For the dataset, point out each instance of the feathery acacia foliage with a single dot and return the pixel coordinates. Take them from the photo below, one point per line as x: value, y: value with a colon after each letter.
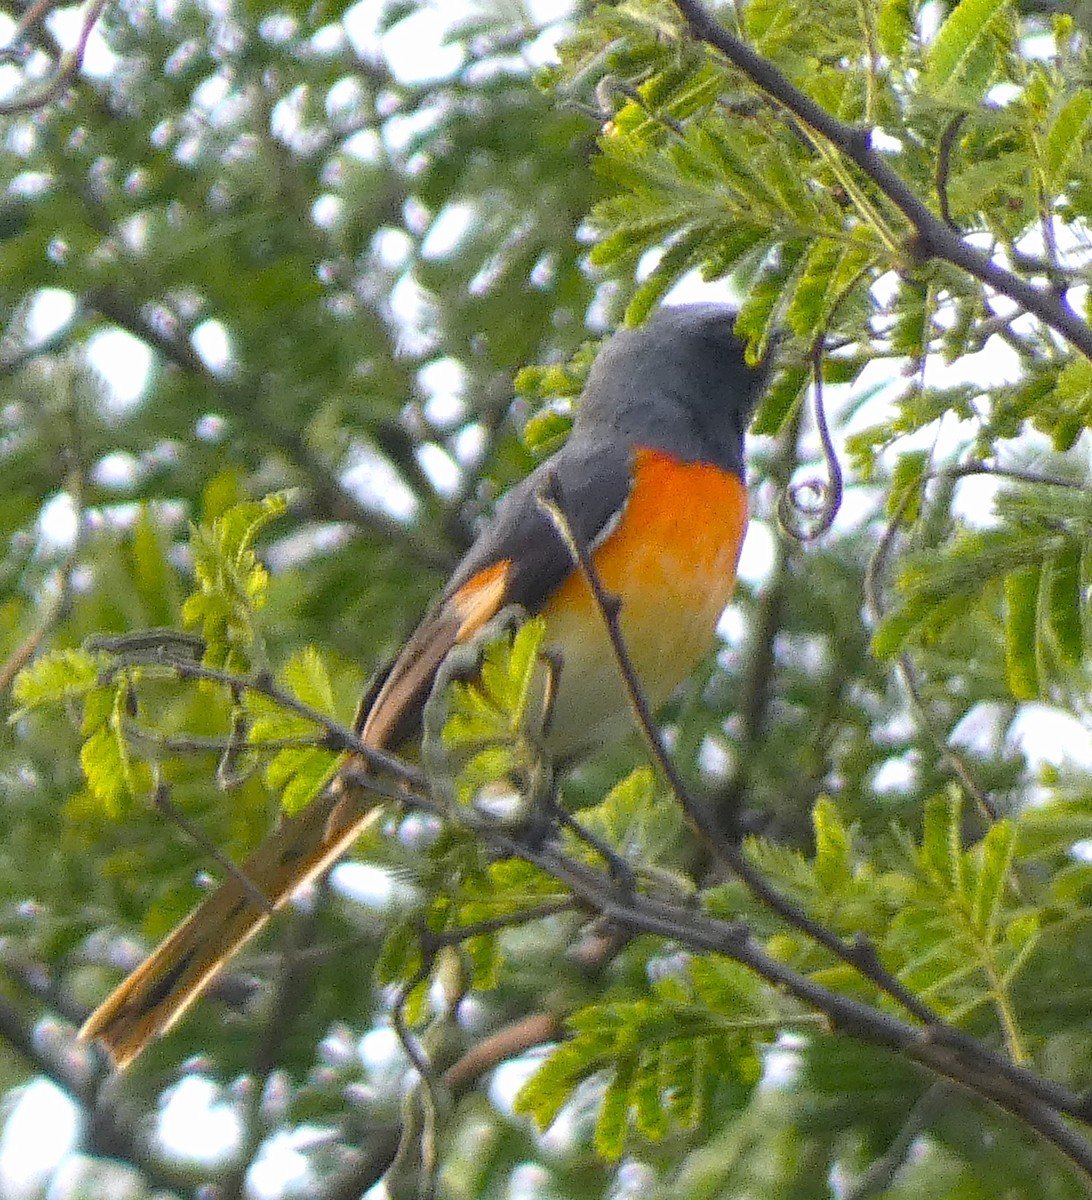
x: 870, y: 975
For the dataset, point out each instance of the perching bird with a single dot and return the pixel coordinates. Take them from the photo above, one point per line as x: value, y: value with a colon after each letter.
x: 653, y: 480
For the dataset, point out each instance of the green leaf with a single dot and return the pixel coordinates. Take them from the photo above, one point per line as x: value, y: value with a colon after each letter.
x: 1066, y: 135
x: 232, y: 583
x: 1065, y: 603
x: 57, y: 677
x: 1021, y: 632
x: 306, y: 677
x: 544, y: 1095
x: 104, y: 768
x: 894, y: 26
x: 833, y: 852
x: 112, y: 775
x: 780, y: 400
x: 942, y: 840
x: 297, y: 773
x: 829, y: 269
x: 994, y: 859
x: 1054, y: 827
x: 636, y: 820
x: 907, y: 480
x: 545, y: 432
x: 957, y: 39
x: 610, y: 1126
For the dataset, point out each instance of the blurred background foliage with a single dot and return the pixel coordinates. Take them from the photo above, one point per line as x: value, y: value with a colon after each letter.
x: 308, y: 247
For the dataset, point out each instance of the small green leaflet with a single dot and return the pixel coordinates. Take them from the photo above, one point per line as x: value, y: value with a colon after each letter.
x: 957, y: 39
x: 298, y: 773
x: 57, y: 677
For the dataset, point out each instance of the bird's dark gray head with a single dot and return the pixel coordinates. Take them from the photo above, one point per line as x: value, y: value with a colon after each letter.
x: 680, y: 383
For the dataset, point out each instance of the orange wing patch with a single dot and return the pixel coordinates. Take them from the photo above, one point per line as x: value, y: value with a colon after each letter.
x: 481, y: 598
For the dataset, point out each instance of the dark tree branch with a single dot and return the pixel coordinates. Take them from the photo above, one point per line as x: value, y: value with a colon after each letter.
x: 291, y: 991
x: 940, y: 1047
x: 884, y: 1170
x: 874, y: 602
x: 932, y: 237
x: 335, y: 735
x: 947, y: 1052
x: 369, y: 1166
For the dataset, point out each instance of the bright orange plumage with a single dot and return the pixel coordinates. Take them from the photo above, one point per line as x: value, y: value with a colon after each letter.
x: 652, y: 481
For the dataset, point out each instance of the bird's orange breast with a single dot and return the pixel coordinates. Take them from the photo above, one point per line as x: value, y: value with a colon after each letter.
x: 671, y: 560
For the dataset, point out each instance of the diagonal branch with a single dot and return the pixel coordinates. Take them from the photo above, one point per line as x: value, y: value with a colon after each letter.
x: 1040, y: 1103
x: 942, y: 1048
x: 932, y: 237
x: 109, y: 1129
x: 860, y: 955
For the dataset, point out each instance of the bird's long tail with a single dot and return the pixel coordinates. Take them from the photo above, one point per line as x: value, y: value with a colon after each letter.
x: 163, y: 987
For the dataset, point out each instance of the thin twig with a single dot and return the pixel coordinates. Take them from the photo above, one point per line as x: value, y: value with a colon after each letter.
x: 368, y: 1167
x: 161, y: 798
x: 29, y: 21
x: 820, y: 517
x: 241, y: 397
x: 944, y: 166
x: 907, y: 671
x: 69, y: 67
x: 293, y: 987
x: 881, y: 1174
x: 337, y: 736
x: 109, y: 1130
x: 53, y: 609
x: 1039, y: 1102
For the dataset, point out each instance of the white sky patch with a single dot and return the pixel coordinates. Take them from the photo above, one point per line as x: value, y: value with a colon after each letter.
x: 99, y: 61
x: 449, y: 228
x: 48, y: 313
x: 691, y: 288
x: 894, y: 775
x: 123, y: 362
x: 468, y: 444
x: 376, y: 483
x: 382, y: 1053
x: 511, y: 1076
x: 392, y: 247
x: 368, y: 885
x: 326, y: 210
x: 414, y: 48
x: 443, y: 380
x: 210, y: 92
x: 58, y: 523
x: 280, y: 1169
x: 981, y: 730
x: 39, y: 1131
x: 884, y: 143
x: 442, y: 470
x: 781, y: 1064
x: 118, y: 470
x: 714, y: 759
x: 759, y: 553
x: 210, y: 340
x: 195, y: 1125
x: 732, y: 627
x: 1048, y: 735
